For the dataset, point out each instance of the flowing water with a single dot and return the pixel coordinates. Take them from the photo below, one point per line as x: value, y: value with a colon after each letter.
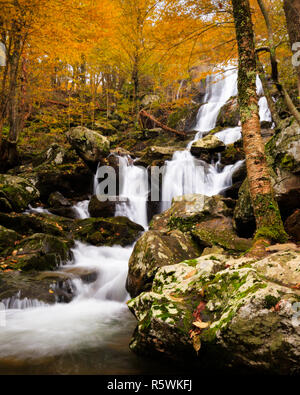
x: 90, y: 335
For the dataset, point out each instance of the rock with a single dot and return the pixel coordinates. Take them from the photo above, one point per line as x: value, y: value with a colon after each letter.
x: 233, y: 153
x: 229, y: 115
x: 67, y: 212
x: 156, y: 156
x: 102, y: 209
x: 189, y: 210
x: 244, y: 220
x: 154, y: 250
x: 287, y: 191
x: 16, y: 193
x: 32, y: 289
x: 57, y: 200
x: 29, y: 224
x: 39, y: 252
x: 8, y: 238
x: 207, y: 145
x: 292, y: 225
x: 184, y: 118
x: 248, y: 314
x: 220, y: 232
x: 120, y: 151
x: 89, y: 145
x: 107, y: 231
x: 284, y: 149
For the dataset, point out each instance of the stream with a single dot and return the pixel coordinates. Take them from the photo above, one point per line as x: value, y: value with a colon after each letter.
x: 90, y: 335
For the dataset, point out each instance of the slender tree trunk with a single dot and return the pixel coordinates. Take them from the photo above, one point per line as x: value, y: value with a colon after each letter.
x: 292, y: 12
x: 275, y: 74
x: 267, y: 215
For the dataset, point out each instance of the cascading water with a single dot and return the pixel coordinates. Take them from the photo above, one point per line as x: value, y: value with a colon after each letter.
x: 184, y: 174
x: 134, y: 190
x: 97, y: 322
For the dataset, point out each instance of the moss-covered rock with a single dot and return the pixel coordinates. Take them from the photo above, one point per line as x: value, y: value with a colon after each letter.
x: 156, y: 156
x: 104, y: 209
x: 154, y: 250
x: 229, y: 115
x: 234, y: 317
x: 207, y: 145
x: 16, y: 193
x: 284, y: 148
x: 8, y: 238
x: 107, y: 231
x: 38, y: 252
x: 91, y: 146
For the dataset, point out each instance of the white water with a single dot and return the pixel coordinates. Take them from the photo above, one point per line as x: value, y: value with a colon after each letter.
x: 90, y: 320
x: 82, y: 209
x: 98, y: 311
x: 134, y: 190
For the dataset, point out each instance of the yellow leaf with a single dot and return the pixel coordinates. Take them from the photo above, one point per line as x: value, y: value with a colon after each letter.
x: 201, y: 325
x: 50, y: 291
x: 190, y: 274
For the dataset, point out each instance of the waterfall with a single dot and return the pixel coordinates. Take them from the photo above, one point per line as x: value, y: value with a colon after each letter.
x: 184, y: 174
x: 134, y: 190
x: 98, y: 314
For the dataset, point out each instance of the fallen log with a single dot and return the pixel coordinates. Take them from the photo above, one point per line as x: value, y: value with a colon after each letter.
x: 144, y: 114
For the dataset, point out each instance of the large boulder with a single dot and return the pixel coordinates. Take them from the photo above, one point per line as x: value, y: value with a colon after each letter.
x: 154, y: 250
x: 107, y: 231
x: 8, y: 239
x: 207, y: 145
x: 104, y: 209
x: 91, y: 146
x: 156, y: 156
x: 229, y: 115
x: 38, y: 252
x: 16, y: 193
x: 216, y: 312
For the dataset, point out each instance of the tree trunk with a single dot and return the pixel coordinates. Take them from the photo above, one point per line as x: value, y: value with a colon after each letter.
x: 292, y: 13
x: 268, y: 220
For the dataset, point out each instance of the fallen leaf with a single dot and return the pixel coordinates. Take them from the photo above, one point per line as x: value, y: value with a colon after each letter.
x: 201, y: 324
x: 190, y: 274
x: 14, y: 253
x: 50, y: 291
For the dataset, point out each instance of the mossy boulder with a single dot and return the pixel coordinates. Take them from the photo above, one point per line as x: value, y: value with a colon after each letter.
x: 154, y: 250
x: 229, y: 115
x: 29, y: 289
x: 16, y: 193
x: 156, y: 156
x: 207, y: 145
x: 107, y: 231
x: 220, y: 312
x: 91, y: 146
x: 39, y: 252
x: 220, y: 232
x: 104, y: 209
x: 8, y: 239
x: 189, y: 210
x: 284, y: 148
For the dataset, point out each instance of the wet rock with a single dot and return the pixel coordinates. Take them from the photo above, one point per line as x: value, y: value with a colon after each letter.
x: 16, y: 193
x: 89, y: 145
x: 156, y: 156
x: 233, y: 153
x: 29, y: 289
x: 246, y: 312
x: 67, y: 212
x: 284, y: 148
x: 188, y: 210
x: 8, y: 238
x: 154, y: 250
x: 220, y: 232
x: 229, y: 115
x: 207, y: 145
x: 292, y: 225
x: 57, y: 200
x: 107, y: 231
x: 104, y: 209
x: 39, y: 252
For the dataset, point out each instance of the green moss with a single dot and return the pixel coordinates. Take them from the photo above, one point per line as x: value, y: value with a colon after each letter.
x: 270, y: 301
